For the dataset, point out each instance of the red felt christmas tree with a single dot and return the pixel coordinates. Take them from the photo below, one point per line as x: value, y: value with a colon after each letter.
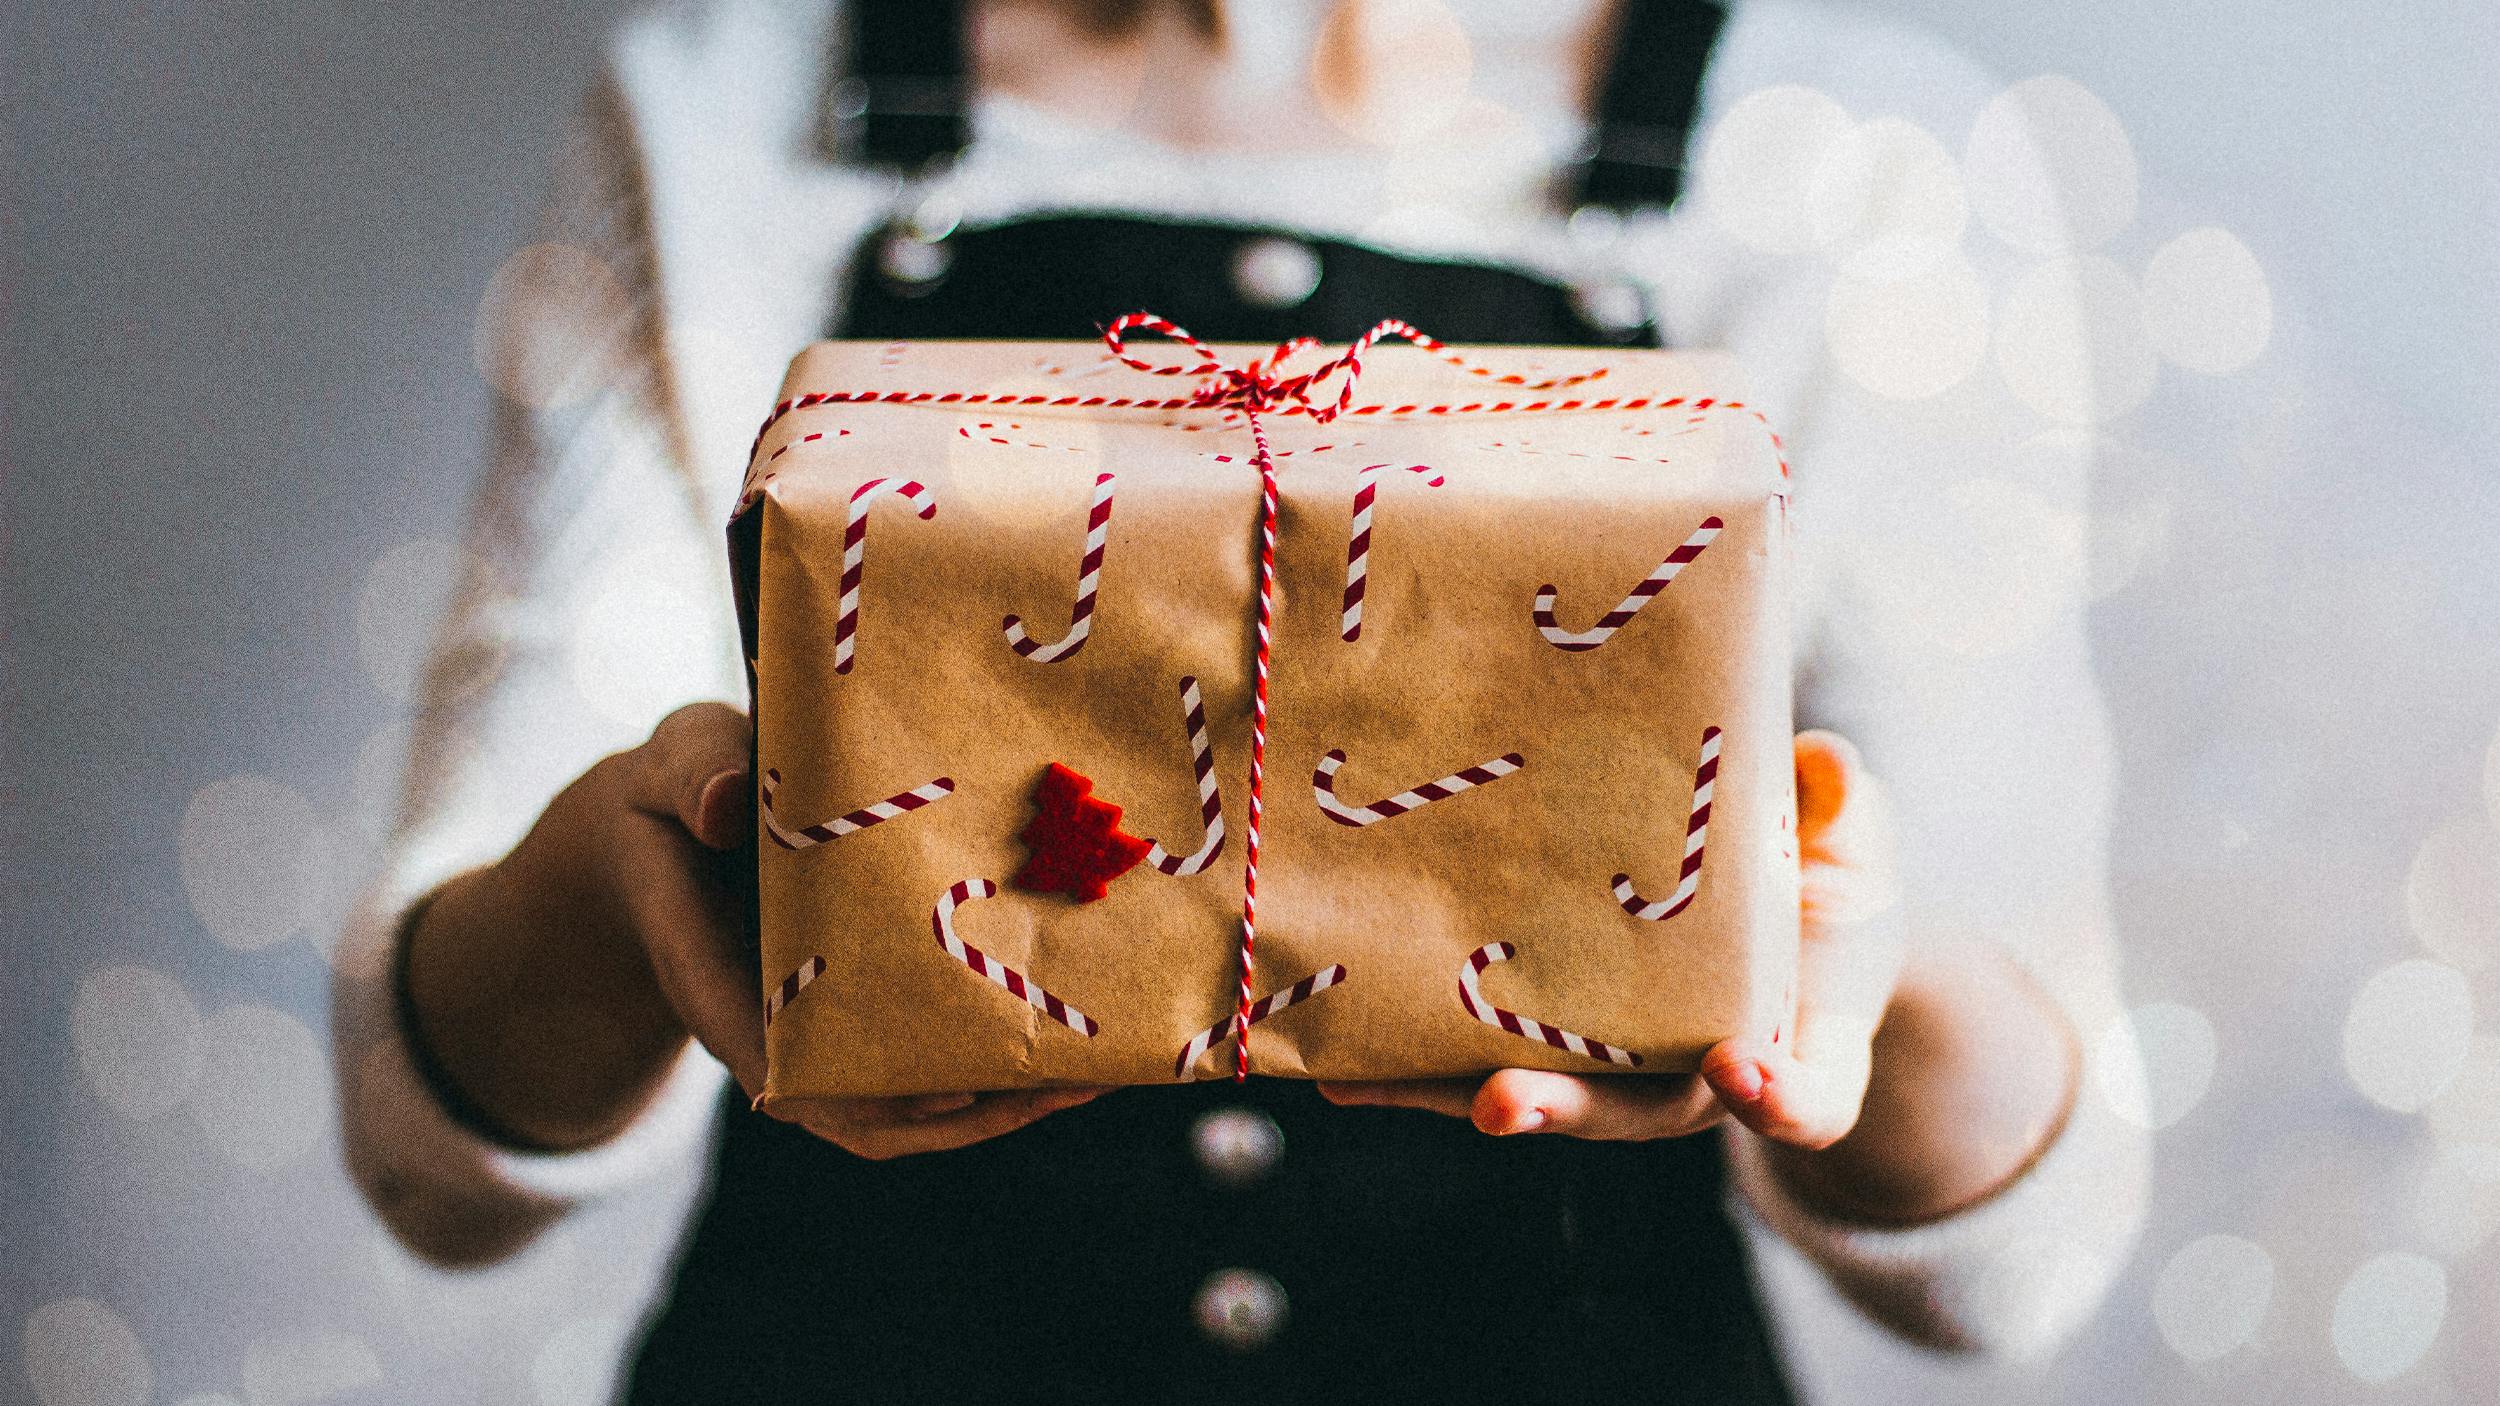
x: 1077, y: 845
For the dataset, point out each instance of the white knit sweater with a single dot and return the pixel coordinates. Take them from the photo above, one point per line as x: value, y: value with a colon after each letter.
x: 1941, y: 620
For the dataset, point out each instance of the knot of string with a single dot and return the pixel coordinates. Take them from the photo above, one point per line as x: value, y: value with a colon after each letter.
x: 1256, y: 389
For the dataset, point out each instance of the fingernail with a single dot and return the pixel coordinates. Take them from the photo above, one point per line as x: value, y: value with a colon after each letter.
x: 1527, y: 1122
x: 1745, y: 1080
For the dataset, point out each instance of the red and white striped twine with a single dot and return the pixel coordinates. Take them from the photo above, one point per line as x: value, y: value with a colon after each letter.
x: 999, y: 974
x: 1696, y: 831
x: 1324, y: 787
x: 1471, y: 996
x: 1575, y: 641
x: 1261, y: 1009
x: 1210, y: 801
x: 1088, y: 580
x: 855, y: 552
x: 1253, y: 391
x: 1358, y: 548
x: 807, y: 836
x: 791, y: 986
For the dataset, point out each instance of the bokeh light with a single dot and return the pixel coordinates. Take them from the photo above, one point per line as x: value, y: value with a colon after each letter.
x: 139, y: 1039
x: 2407, y: 1033
x: 2206, y: 303
x: 2049, y: 167
x: 263, y: 1098
x: 80, y: 1353
x: 397, y: 608
x: 2212, y: 1296
x: 552, y: 326
x: 1909, y: 338
x: 2465, y: 1116
x: 251, y: 860
x: 2452, y: 892
x: 1887, y: 200
x: 2071, y: 343
x: 304, y: 1367
x: 2388, y: 1314
x: 2177, y: 1048
x: 1760, y: 163
x: 2456, y: 1204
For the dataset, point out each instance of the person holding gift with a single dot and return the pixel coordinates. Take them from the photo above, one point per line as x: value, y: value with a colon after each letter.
x: 542, y: 992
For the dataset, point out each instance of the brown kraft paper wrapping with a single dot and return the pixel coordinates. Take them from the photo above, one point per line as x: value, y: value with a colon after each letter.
x: 1450, y: 671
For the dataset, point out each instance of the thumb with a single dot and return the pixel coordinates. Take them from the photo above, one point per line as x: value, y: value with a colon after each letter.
x: 694, y: 770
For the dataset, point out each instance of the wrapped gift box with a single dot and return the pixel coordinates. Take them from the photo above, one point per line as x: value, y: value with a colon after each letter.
x: 1528, y: 795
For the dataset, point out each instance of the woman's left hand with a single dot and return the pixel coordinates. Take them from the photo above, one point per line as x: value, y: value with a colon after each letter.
x: 1805, y: 1089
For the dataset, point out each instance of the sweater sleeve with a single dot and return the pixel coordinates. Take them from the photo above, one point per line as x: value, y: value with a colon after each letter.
x: 1942, y: 529
x: 593, y: 600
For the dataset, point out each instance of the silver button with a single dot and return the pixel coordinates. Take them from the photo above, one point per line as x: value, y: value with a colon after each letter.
x: 1240, y: 1308
x: 1613, y: 308
x: 1275, y: 273
x: 913, y: 264
x: 1593, y: 227
x: 1236, y: 1146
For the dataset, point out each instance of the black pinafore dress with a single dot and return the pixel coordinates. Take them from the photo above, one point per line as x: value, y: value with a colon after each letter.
x: 1218, y: 1242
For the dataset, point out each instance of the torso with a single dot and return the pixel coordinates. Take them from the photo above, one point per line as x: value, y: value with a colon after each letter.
x: 1251, y: 1240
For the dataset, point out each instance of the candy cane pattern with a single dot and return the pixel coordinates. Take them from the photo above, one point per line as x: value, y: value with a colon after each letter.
x: 1696, y: 830
x: 1471, y: 995
x: 1088, y: 576
x: 1261, y: 1009
x: 1358, y: 547
x: 791, y: 986
x: 807, y: 836
x: 1210, y: 803
x: 1324, y: 786
x: 1015, y: 983
x: 1621, y: 615
x: 855, y: 550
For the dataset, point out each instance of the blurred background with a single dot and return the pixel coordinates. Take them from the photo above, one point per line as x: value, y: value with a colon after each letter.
x: 251, y: 248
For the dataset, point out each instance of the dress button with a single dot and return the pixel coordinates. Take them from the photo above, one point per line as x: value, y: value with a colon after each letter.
x: 1275, y: 273
x: 1615, y: 309
x: 1236, y: 1146
x: 912, y: 264
x: 1241, y: 1309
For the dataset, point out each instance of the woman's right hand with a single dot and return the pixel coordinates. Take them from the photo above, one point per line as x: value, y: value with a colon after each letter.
x: 556, y: 988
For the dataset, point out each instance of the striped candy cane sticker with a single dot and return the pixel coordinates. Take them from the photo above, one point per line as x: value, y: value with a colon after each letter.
x: 1210, y: 803
x: 1471, y: 995
x: 1358, y: 548
x: 1324, y: 786
x: 1621, y: 615
x: 1696, y: 830
x: 791, y: 986
x: 1007, y: 978
x: 1260, y: 1009
x: 1088, y: 576
x: 807, y: 836
x: 855, y: 550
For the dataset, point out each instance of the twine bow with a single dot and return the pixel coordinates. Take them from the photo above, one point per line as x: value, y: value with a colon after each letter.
x: 1254, y: 389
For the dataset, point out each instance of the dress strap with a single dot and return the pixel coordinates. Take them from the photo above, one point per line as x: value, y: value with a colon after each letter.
x: 1646, y: 110
x: 907, y: 89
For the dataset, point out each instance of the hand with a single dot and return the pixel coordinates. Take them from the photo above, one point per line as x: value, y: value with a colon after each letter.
x: 1804, y: 1090
x: 631, y: 891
